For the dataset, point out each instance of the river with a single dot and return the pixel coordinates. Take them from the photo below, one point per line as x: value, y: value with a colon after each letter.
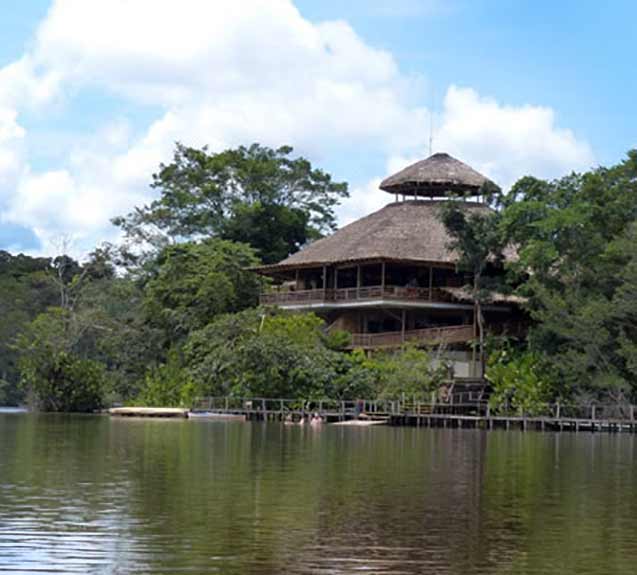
x: 89, y: 494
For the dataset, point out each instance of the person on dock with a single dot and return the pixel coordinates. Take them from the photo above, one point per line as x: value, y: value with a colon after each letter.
x: 316, y: 419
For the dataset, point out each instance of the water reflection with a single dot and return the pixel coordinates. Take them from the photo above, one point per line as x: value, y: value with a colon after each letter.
x: 90, y: 494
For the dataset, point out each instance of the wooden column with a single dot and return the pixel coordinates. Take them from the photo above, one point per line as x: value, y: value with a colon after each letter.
x: 404, y: 320
x: 431, y: 282
x: 382, y: 276
x: 324, y: 277
x: 296, y: 279
x: 358, y: 281
x: 335, y: 278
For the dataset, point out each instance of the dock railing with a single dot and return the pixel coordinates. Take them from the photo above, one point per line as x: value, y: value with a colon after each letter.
x: 459, y: 404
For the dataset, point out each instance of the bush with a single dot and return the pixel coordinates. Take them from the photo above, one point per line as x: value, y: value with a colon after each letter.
x: 63, y: 382
x: 520, y: 382
x: 168, y: 385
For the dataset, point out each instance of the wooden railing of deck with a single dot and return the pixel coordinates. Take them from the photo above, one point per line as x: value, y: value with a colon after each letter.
x: 356, y: 294
x: 446, y: 334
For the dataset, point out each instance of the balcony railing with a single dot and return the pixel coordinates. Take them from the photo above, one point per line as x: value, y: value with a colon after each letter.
x: 355, y: 294
x: 432, y: 335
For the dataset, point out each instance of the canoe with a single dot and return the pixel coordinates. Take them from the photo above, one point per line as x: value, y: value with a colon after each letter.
x: 361, y: 422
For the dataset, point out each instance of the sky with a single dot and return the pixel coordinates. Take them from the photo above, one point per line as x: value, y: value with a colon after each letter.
x: 95, y: 93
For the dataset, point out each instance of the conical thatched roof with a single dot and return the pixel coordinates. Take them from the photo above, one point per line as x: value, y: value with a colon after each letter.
x: 438, y: 175
x: 408, y: 231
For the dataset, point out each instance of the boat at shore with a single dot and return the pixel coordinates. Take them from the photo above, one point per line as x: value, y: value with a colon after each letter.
x: 361, y: 422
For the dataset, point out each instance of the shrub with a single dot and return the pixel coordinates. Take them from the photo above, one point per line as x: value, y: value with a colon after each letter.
x: 63, y: 382
x: 520, y: 382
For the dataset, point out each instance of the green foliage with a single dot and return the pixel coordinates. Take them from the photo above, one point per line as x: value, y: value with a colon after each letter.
x: 338, y: 339
x: 576, y: 242
x: 195, y: 282
x: 479, y: 240
x: 168, y: 385
x: 26, y: 289
x: 261, y: 353
x: 255, y: 195
x: 58, y: 381
x: 520, y: 383
x: 408, y: 372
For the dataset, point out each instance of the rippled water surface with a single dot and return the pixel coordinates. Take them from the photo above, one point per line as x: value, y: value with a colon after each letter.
x: 94, y: 495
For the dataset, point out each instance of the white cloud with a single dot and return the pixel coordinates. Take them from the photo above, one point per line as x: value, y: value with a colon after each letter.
x: 11, y: 147
x: 224, y: 73
x: 502, y: 142
x: 507, y: 142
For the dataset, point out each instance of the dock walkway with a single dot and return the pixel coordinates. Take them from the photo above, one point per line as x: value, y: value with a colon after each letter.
x: 467, y: 413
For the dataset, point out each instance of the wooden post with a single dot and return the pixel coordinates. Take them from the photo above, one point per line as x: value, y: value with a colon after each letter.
x: 358, y: 281
x: 557, y: 410
x: 335, y: 278
x: 296, y: 279
x: 324, y: 278
x: 403, y: 319
x: 225, y: 404
x: 593, y: 412
x: 431, y: 282
x: 382, y: 277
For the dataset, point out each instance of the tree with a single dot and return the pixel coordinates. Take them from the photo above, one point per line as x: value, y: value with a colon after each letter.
x: 408, y: 372
x: 255, y: 195
x: 478, y: 240
x: 197, y: 281
x: 55, y: 377
x: 262, y: 353
x: 26, y: 290
x: 575, y: 239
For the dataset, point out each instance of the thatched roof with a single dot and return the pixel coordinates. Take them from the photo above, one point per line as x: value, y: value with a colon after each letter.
x: 438, y: 175
x: 408, y: 231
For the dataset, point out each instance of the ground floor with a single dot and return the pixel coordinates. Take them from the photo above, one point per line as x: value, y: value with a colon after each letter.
x: 450, y: 332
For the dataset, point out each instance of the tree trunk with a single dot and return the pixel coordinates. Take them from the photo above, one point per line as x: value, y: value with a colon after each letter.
x: 479, y: 320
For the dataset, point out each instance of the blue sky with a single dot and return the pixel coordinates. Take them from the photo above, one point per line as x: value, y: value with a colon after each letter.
x: 93, y: 94
x: 576, y: 56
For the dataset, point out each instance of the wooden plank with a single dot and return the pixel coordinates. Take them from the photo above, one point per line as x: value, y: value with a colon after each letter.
x: 148, y: 412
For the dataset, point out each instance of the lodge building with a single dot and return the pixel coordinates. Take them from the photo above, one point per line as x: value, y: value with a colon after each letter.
x: 390, y: 277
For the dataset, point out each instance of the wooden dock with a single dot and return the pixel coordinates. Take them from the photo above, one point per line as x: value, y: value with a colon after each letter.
x: 148, y: 412
x: 469, y: 413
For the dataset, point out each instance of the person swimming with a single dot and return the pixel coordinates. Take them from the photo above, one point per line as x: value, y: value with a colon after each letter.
x: 316, y: 419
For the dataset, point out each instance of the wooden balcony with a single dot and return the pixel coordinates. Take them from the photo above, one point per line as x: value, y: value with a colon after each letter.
x: 430, y: 336
x: 342, y: 295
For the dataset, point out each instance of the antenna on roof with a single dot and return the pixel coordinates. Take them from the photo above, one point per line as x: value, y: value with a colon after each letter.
x: 431, y: 121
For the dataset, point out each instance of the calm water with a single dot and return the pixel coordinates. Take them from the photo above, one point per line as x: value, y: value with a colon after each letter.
x: 94, y: 495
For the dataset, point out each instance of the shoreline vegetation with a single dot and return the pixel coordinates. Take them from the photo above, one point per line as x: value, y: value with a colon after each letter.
x: 172, y: 313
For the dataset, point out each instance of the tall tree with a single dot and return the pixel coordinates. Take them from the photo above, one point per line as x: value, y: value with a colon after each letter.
x: 256, y: 195
x: 479, y: 242
x: 576, y: 239
x: 197, y: 281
